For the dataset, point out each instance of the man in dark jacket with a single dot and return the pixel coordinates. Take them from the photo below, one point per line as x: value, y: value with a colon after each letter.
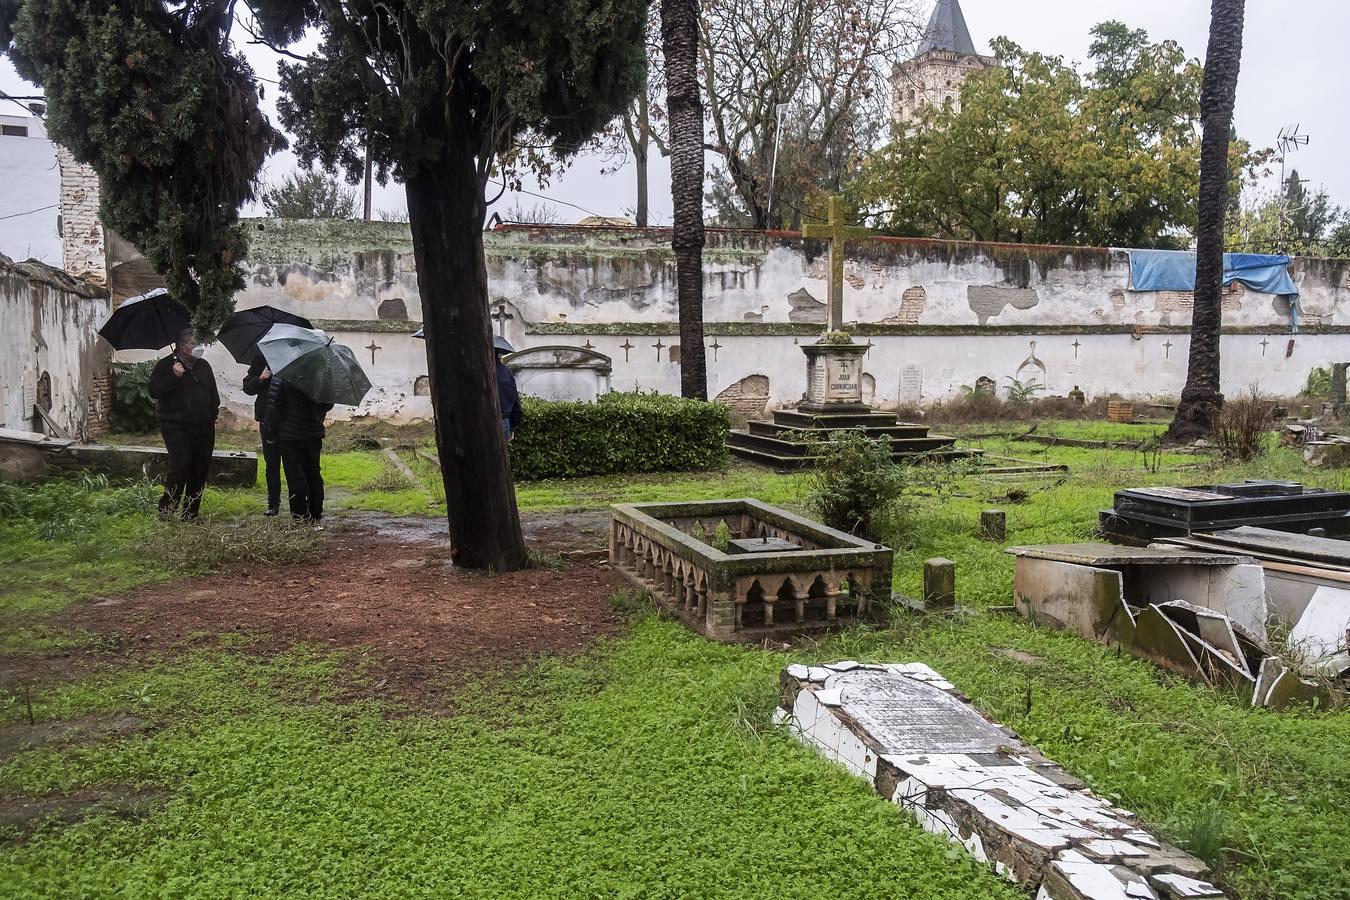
x: 295, y: 423
x: 255, y: 385
x: 508, y: 397
x: 187, y: 403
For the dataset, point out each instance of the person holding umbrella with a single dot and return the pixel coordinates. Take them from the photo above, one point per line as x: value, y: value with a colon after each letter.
x: 310, y: 373
x: 293, y: 425
x: 508, y: 397
x: 240, y: 334
x: 187, y: 404
x: 256, y: 384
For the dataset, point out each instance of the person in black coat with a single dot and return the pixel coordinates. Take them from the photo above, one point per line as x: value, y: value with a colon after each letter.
x: 508, y: 397
x: 187, y: 403
x: 255, y: 385
x: 295, y: 423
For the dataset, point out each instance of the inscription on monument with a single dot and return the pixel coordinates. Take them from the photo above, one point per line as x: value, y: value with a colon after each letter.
x: 911, y: 383
x: 842, y: 377
x: 907, y: 716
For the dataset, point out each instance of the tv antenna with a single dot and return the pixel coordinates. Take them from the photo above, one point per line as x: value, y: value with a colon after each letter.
x: 1287, y: 141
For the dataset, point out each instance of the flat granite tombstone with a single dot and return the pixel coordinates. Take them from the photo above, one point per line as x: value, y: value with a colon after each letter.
x: 561, y: 372
x: 1145, y: 514
x: 964, y: 777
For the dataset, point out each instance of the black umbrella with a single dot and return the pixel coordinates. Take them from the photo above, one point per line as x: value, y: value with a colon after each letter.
x: 147, y: 322
x: 242, y: 330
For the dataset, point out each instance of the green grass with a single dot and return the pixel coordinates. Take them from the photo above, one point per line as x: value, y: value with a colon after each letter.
x: 649, y: 768
x: 627, y: 775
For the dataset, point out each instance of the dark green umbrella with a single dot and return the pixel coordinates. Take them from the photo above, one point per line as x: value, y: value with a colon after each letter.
x: 310, y: 360
x: 243, y: 329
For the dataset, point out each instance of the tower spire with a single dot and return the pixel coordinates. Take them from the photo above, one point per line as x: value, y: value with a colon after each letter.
x: 947, y: 30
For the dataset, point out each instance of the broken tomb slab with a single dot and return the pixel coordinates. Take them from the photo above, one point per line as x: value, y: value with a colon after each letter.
x: 961, y: 775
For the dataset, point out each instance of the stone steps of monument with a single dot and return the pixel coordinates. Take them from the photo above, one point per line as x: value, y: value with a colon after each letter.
x: 799, y: 432
x: 830, y: 421
x: 786, y: 456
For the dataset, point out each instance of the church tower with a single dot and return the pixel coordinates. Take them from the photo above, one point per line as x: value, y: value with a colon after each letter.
x: 933, y: 75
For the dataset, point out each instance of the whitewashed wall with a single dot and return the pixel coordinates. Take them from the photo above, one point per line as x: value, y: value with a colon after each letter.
x: 49, y: 325
x: 939, y: 314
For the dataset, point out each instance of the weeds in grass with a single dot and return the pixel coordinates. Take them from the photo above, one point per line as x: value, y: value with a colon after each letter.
x: 854, y: 486
x: 391, y: 480
x: 210, y: 544
x: 632, y: 602
x: 542, y: 559
x: 1243, y: 425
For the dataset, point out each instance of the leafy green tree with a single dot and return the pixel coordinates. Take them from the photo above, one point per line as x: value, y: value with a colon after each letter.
x: 1201, y: 398
x: 310, y: 195
x: 150, y: 95
x: 1038, y: 152
x: 439, y: 92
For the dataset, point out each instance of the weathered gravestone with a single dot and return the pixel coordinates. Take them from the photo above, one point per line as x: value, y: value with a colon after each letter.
x: 964, y: 777
x: 560, y: 372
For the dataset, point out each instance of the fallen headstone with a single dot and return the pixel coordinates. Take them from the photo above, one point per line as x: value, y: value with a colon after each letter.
x: 922, y: 745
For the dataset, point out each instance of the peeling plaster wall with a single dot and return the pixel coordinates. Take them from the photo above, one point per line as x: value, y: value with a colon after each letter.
x: 48, y: 325
x: 939, y: 314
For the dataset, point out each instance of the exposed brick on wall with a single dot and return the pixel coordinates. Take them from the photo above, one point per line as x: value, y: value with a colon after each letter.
x: 81, y: 228
x: 100, y: 402
x: 912, y: 304
x: 749, y: 395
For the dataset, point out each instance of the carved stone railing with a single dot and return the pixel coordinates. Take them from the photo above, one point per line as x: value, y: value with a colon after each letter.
x: 667, y: 548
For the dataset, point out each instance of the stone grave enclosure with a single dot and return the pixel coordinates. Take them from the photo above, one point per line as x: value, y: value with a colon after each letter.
x: 561, y: 372
x: 777, y: 573
x: 922, y: 745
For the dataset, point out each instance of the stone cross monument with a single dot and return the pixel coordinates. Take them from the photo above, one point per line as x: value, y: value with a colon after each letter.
x: 834, y: 364
x: 837, y: 232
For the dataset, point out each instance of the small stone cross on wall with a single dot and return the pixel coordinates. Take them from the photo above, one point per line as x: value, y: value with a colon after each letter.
x: 837, y: 232
x: 501, y: 317
x: 372, y: 347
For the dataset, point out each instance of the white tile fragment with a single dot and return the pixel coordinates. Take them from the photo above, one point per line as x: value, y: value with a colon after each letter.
x: 780, y: 716
x: 846, y: 665
x: 1143, y: 839
x: 799, y: 671
x: 818, y: 673
x: 830, y: 697
x: 1107, y: 850
x: 1181, y: 886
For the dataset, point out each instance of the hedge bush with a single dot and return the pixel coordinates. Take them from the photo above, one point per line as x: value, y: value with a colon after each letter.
x: 132, y: 409
x: 619, y: 433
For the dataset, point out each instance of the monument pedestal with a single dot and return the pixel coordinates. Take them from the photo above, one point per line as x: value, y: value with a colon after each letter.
x: 834, y: 379
x: 833, y: 402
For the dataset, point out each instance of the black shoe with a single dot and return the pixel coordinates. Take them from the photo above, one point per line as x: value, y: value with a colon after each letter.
x: 272, y: 511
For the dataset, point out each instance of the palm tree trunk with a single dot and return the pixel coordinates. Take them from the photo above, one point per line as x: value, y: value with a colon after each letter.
x: 1201, y: 398
x: 679, y: 35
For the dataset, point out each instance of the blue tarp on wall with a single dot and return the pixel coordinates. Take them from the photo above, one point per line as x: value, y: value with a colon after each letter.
x: 1174, y: 270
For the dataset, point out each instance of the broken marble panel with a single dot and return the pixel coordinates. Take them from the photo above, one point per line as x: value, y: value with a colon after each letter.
x: 921, y: 744
x: 1319, y: 638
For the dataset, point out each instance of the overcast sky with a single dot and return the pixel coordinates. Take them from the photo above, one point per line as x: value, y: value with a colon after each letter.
x: 1295, y: 69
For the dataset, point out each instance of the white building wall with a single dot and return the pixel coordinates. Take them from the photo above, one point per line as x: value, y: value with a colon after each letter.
x: 30, y: 188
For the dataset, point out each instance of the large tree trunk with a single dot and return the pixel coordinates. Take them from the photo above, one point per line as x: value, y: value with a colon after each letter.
x: 445, y: 213
x: 1201, y: 398
x: 641, y: 146
x: 679, y: 35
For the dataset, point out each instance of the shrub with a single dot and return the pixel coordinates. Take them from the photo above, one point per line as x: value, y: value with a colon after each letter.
x: 132, y: 409
x: 619, y: 433
x: 854, y: 486
x: 1242, y: 424
x: 1318, y: 383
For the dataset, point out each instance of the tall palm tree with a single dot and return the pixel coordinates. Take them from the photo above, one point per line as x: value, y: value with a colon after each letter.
x: 1201, y: 397
x: 679, y: 37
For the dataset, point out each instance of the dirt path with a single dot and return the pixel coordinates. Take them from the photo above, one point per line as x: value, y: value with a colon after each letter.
x: 383, y: 589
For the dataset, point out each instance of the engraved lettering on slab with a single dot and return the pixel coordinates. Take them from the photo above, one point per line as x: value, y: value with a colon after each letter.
x: 842, y: 376
x: 911, y: 383
x: 1174, y: 493
x: 908, y: 716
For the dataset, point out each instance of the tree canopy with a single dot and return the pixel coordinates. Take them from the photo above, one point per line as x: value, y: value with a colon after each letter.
x: 150, y: 95
x: 1038, y: 152
x: 310, y: 195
